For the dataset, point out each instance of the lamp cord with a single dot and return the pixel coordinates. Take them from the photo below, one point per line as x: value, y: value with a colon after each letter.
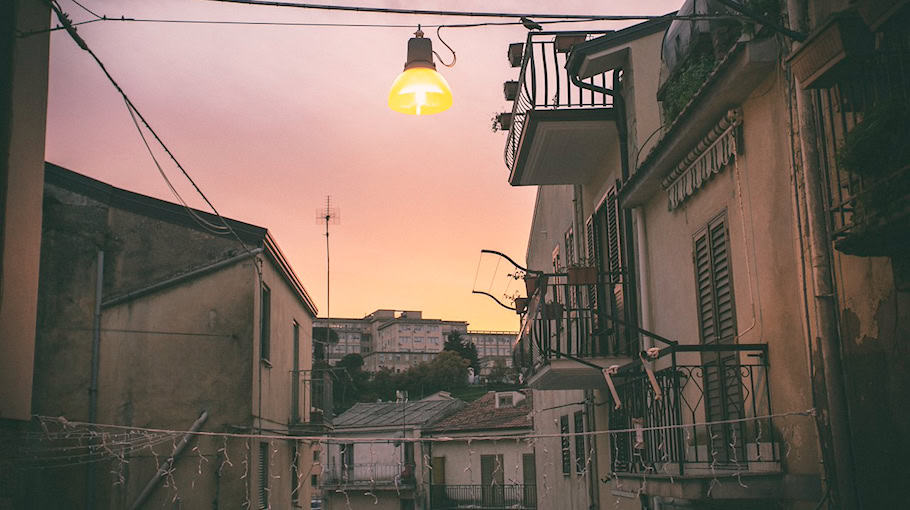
x: 454, y: 58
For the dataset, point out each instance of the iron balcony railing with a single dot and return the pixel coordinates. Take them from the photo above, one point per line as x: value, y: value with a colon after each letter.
x: 311, y: 397
x: 868, y: 206
x: 571, y: 316
x: 713, y: 413
x: 489, y: 497
x: 396, y: 475
x: 544, y: 83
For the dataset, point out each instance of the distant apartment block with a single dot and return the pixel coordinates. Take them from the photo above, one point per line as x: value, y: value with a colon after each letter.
x: 399, y: 339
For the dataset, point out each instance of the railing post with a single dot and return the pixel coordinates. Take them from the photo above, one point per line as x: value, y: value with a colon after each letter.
x: 680, y: 433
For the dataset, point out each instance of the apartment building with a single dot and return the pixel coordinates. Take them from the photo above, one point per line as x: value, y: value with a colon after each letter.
x: 707, y: 258
x: 149, y: 321
x: 391, y: 339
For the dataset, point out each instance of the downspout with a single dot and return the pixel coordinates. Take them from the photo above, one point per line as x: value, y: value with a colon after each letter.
x: 166, y: 466
x: 93, y: 385
x: 840, y: 476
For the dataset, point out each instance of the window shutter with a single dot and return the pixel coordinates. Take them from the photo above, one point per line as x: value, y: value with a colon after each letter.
x: 263, y: 475
x: 717, y: 325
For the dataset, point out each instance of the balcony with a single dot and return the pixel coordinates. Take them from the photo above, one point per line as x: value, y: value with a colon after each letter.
x: 394, y: 476
x: 711, y: 417
x: 559, y: 132
x: 864, y: 122
x: 311, y: 401
x: 574, y: 325
x: 489, y: 497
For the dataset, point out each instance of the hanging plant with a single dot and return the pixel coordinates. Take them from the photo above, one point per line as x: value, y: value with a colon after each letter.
x: 878, y: 145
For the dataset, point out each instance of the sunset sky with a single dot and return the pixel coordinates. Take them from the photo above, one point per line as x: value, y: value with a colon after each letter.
x: 269, y: 120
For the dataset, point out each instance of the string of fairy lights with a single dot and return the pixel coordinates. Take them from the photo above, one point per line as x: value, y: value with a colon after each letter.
x: 57, y: 443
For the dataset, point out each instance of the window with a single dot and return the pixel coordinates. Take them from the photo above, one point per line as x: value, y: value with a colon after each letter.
x: 263, y: 475
x: 579, y: 419
x: 265, y: 312
x: 564, y: 444
x: 717, y: 325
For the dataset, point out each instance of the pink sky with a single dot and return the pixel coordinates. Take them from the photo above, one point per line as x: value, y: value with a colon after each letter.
x: 269, y: 120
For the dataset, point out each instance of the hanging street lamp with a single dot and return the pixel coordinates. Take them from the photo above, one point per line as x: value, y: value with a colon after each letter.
x: 420, y: 90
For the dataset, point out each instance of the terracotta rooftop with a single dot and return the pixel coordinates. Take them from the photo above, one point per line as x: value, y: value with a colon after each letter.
x: 482, y: 414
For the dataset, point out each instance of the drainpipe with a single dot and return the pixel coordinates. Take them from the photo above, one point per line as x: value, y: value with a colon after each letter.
x: 163, y: 470
x: 840, y: 475
x: 93, y: 385
x: 641, y: 254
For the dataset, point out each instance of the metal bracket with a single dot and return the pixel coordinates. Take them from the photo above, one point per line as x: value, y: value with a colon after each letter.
x: 645, y: 357
x: 608, y: 372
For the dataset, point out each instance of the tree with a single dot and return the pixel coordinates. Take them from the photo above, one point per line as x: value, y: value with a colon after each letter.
x: 455, y: 343
x: 500, y: 373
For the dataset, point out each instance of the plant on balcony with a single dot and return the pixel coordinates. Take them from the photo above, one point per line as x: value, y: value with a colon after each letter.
x: 501, y: 121
x: 877, y: 151
x: 877, y: 146
x: 685, y: 82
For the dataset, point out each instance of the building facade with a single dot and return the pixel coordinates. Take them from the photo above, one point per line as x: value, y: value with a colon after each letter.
x: 361, y: 472
x: 391, y: 339
x: 149, y: 322
x: 472, y: 468
x: 697, y: 248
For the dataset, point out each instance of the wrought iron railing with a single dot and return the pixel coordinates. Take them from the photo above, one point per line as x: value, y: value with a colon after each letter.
x: 577, y: 317
x: 396, y: 474
x: 713, y: 413
x: 489, y: 497
x: 863, y: 200
x: 311, y: 396
x: 544, y: 83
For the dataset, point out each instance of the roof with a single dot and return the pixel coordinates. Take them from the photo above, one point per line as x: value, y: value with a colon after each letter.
x: 176, y: 214
x: 395, y: 414
x: 614, y: 39
x: 482, y: 414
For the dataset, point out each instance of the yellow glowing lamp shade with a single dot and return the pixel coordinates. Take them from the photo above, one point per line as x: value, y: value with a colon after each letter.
x: 420, y: 91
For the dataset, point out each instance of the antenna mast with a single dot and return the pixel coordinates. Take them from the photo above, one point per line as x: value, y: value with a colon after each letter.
x: 329, y: 215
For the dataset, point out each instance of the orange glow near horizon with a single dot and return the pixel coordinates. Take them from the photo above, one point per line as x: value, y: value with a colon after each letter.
x: 271, y: 119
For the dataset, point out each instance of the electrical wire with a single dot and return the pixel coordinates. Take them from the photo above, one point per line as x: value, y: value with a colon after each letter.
x: 65, y: 21
x: 428, y: 12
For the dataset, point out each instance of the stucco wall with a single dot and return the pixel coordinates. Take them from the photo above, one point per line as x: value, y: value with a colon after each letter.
x: 554, y: 488
x: 755, y: 195
x: 24, y: 112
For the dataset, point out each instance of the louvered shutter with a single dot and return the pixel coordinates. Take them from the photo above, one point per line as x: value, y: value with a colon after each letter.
x: 594, y: 324
x: 717, y: 325
x: 263, y: 475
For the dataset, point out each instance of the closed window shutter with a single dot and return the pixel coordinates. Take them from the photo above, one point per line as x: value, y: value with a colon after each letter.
x: 614, y: 258
x: 263, y: 475
x: 592, y: 259
x: 717, y: 325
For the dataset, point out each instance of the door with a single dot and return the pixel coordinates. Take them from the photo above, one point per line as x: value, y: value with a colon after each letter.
x: 491, y: 480
x: 529, y: 476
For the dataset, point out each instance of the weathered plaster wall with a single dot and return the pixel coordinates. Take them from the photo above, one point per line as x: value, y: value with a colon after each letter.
x: 875, y: 328
x: 463, y: 460
x: 23, y: 112
x: 554, y: 488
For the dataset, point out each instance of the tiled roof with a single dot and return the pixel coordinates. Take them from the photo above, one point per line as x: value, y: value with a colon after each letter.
x: 394, y: 414
x: 482, y: 414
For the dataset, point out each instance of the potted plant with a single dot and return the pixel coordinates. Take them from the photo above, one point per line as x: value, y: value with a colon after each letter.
x: 582, y: 273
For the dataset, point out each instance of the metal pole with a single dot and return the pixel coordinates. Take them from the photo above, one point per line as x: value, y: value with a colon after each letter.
x: 166, y: 466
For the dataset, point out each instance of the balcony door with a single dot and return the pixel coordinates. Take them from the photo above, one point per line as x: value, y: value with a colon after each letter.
x: 608, y: 247
x: 491, y: 480
x: 717, y: 326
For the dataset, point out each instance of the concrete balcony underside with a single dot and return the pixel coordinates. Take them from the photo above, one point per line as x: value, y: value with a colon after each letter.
x: 564, y: 146
x: 567, y: 374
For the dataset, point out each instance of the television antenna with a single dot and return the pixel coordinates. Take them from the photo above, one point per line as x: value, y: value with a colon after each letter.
x: 329, y: 215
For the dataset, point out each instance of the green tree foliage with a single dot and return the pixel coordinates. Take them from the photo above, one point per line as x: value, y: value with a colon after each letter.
x: 455, y: 343
x: 500, y: 373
